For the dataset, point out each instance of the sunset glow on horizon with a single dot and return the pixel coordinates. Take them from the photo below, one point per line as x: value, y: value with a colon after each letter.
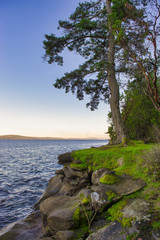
x: 30, y: 105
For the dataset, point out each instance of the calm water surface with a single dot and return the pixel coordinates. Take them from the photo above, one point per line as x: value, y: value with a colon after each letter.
x: 25, y: 168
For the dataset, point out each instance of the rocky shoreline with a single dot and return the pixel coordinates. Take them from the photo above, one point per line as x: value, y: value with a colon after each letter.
x: 80, y: 204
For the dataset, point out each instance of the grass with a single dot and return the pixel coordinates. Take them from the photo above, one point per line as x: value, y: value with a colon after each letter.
x: 107, y: 157
x: 109, y: 179
x: 133, y: 164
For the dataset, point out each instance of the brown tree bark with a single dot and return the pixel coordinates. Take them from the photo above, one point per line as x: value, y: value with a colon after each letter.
x: 113, y: 84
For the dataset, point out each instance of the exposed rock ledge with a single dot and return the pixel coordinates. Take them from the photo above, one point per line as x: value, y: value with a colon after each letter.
x: 74, y: 197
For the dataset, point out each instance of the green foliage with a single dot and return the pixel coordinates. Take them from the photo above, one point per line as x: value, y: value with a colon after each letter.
x: 85, y: 35
x: 152, y: 162
x: 132, y: 236
x: 138, y: 112
x: 112, y: 134
x: 86, y: 200
x: 114, y: 213
x: 111, y: 195
x: 76, y: 215
x: 134, y: 166
x: 156, y: 224
x: 109, y: 179
x: 133, y: 195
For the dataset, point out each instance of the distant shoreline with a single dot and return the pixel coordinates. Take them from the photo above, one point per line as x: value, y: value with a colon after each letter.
x: 19, y: 137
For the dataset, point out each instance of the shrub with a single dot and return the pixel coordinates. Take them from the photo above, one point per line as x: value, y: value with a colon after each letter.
x: 152, y: 162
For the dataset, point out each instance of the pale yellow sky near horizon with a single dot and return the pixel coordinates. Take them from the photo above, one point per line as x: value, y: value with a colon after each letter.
x: 30, y: 105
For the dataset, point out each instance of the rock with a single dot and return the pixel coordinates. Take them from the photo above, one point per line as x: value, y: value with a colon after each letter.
x: 85, y: 192
x: 97, y: 200
x: 156, y: 234
x: 137, y: 208
x: 96, y: 176
x: 125, y: 186
x: 74, y: 173
x: 65, y: 235
x: 53, y: 203
x: 59, y: 171
x: 46, y: 238
x: 54, y: 185
x: 53, y: 188
x: 61, y: 219
x: 30, y: 228
x: 65, y: 159
x: 58, y: 211
x: 71, y: 187
x: 114, y: 231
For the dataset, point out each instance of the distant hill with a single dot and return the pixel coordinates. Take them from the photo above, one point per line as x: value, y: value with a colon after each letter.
x: 19, y: 137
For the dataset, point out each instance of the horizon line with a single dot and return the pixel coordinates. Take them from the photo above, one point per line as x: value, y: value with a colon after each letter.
x: 21, y: 137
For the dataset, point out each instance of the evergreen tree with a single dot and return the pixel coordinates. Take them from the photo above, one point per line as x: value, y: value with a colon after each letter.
x: 139, y: 116
x: 96, y: 31
x: 89, y: 33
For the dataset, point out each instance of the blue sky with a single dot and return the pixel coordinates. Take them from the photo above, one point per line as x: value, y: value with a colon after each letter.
x: 29, y: 104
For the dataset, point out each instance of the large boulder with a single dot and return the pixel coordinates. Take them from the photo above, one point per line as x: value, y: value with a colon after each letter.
x: 65, y: 159
x: 30, y: 228
x: 65, y: 235
x: 138, y: 209
x: 58, y: 211
x: 98, y: 174
x: 113, y: 231
x: 54, y: 185
x: 72, y: 173
x: 110, y: 193
x: 62, y: 219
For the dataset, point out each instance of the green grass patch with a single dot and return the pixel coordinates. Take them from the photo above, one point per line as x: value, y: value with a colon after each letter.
x: 133, y: 164
x: 107, y: 157
x: 109, y: 179
x: 111, y: 195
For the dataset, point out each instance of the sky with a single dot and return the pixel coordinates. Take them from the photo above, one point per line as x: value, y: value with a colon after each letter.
x: 29, y: 104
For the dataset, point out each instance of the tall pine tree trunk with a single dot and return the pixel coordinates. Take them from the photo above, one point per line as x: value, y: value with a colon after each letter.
x: 113, y: 85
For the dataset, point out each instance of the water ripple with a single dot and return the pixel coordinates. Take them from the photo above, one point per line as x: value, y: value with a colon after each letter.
x: 25, y: 168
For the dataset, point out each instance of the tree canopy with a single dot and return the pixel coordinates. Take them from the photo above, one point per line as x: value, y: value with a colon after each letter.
x: 111, y: 36
x: 86, y: 34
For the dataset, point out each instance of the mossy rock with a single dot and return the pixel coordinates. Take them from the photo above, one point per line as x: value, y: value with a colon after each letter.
x: 109, y: 179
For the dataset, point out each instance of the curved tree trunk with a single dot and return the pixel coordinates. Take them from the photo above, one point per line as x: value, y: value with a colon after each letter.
x: 113, y: 85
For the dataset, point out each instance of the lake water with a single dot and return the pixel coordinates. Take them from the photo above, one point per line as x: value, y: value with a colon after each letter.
x: 25, y: 168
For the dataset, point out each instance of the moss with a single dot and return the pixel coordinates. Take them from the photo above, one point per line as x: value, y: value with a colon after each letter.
x: 109, y: 179
x: 86, y: 200
x: 76, y: 215
x: 133, y: 165
x: 156, y: 224
x: 82, y: 231
x: 134, y: 195
x: 132, y: 236
x: 107, y: 156
x: 114, y: 213
x: 126, y: 222
x: 111, y: 195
